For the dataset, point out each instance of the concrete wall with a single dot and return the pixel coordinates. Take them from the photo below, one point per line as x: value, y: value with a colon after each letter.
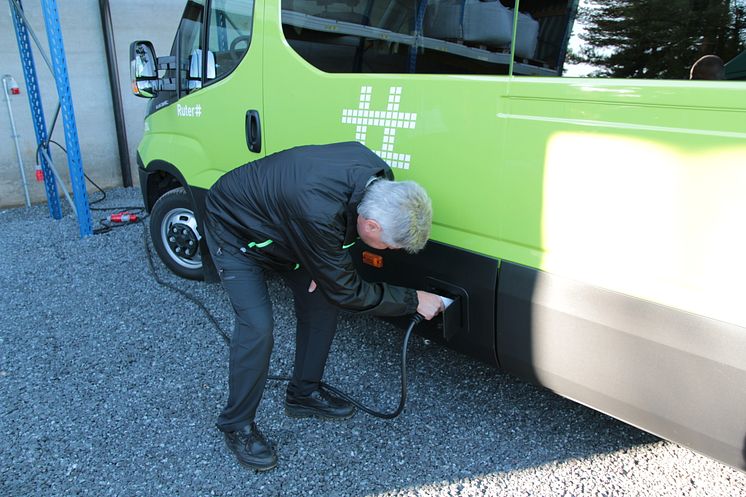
x: 84, y: 47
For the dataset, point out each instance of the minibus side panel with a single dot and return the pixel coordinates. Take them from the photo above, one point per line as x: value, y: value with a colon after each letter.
x: 468, y: 278
x: 631, y: 185
x: 672, y: 373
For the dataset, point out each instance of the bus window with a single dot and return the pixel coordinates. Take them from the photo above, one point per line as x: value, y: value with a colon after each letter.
x: 229, y: 34
x: 487, y: 27
x: 352, y: 35
x: 188, y: 41
x: 400, y: 36
x: 543, y: 28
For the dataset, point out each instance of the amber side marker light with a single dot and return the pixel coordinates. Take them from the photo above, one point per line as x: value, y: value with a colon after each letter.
x: 372, y: 259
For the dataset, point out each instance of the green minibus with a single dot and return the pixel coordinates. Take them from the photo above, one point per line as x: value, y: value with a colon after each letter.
x: 586, y: 178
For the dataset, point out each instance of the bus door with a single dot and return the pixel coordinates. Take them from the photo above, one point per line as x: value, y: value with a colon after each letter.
x: 219, y: 109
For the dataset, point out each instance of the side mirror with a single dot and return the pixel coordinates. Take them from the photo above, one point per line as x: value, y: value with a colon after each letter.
x: 195, y: 68
x: 143, y: 69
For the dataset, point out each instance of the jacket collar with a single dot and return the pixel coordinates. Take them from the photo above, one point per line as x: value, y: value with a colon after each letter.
x: 357, y: 196
x: 351, y: 228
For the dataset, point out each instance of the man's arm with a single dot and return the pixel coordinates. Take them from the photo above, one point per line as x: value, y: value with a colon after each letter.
x: 319, y: 248
x: 428, y: 304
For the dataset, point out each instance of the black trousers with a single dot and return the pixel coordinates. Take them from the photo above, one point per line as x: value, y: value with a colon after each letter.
x: 251, y: 345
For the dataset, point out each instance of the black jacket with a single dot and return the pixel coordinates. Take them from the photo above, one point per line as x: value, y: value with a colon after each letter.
x: 299, y: 208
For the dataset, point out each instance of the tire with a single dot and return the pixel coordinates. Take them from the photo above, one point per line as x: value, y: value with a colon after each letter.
x: 173, y: 230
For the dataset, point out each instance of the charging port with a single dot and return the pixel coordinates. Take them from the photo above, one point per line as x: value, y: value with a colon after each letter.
x: 455, y: 318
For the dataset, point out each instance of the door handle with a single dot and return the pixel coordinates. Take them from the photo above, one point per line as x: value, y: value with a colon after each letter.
x: 253, y: 131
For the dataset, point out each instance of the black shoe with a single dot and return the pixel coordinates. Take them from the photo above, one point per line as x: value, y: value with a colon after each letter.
x: 251, y: 448
x: 319, y: 404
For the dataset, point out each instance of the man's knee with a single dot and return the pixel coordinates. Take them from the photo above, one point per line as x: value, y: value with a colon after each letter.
x: 254, y: 327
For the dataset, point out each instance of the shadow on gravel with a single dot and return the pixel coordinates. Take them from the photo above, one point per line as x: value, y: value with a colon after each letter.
x: 110, y: 385
x: 463, y: 419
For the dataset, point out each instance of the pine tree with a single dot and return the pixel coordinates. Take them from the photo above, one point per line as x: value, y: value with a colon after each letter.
x: 658, y: 38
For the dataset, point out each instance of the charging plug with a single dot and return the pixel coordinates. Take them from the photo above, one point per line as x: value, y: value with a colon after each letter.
x: 454, y: 320
x: 446, y: 301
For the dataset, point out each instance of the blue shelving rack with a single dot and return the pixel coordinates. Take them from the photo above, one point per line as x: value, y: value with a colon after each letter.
x: 37, y: 110
x: 62, y: 81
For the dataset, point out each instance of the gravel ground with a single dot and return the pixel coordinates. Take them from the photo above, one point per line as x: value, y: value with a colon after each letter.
x: 110, y: 385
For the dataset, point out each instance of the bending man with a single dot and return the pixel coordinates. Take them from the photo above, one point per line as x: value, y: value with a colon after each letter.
x: 297, y: 212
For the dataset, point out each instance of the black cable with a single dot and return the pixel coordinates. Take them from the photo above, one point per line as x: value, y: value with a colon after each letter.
x: 106, y: 225
x: 416, y: 319
x: 54, y: 121
x: 103, y: 193
x: 183, y: 293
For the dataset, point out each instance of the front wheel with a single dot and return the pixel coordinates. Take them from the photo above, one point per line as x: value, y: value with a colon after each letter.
x: 173, y: 229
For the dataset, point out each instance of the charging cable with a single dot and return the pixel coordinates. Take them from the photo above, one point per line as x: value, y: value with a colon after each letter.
x: 416, y: 319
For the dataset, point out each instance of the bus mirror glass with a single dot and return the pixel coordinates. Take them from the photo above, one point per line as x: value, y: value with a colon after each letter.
x: 143, y: 69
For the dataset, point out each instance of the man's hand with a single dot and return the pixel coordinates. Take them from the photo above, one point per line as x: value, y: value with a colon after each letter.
x: 429, y: 304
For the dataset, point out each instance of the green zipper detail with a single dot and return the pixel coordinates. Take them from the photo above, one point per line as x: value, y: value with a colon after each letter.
x: 345, y: 247
x: 296, y: 266
x: 259, y: 245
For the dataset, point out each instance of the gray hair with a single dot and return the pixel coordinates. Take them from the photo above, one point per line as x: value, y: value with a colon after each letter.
x: 403, y: 210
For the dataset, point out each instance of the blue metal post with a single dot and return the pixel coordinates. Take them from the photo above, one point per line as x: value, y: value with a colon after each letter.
x: 37, y: 111
x: 74, y: 161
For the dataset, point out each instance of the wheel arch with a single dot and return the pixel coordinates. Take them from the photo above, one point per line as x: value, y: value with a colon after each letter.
x: 160, y: 177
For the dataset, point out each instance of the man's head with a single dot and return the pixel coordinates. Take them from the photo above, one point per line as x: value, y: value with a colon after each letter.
x: 708, y: 67
x: 395, y: 215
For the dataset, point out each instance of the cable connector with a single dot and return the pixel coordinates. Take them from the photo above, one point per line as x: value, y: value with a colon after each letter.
x: 123, y: 217
x: 12, y: 86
